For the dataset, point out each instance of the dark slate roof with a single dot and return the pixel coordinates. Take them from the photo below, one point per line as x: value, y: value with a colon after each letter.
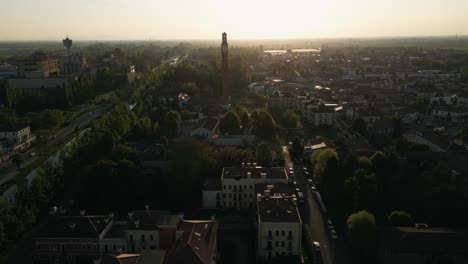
x: 196, y: 245
x: 12, y: 128
x: 151, y: 220
x: 277, y: 209
x: 256, y: 172
x: 73, y: 227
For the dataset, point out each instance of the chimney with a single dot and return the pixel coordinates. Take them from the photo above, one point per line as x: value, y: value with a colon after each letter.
x: 72, y: 226
x: 131, y: 214
x: 82, y: 212
x: 137, y: 223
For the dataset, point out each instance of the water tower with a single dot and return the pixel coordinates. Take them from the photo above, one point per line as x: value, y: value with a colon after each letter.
x: 68, y: 43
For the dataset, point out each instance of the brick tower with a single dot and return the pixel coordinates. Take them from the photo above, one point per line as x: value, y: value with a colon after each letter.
x: 226, y: 93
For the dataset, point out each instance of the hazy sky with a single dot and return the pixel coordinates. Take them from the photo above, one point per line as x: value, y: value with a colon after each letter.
x: 206, y: 19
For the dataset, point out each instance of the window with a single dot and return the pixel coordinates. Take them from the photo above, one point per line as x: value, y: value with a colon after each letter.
x: 282, y: 233
x: 229, y: 195
x: 270, y: 233
x: 131, y: 237
x: 250, y: 187
x: 151, y: 237
x: 229, y: 187
x: 224, y: 187
x: 142, y: 237
x: 277, y: 233
x: 282, y: 243
x: 224, y: 195
x: 277, y: 243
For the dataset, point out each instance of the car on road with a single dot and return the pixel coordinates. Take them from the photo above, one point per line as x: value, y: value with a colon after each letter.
x: 333, y: 234
x: 313, y: 189
x: 330, y: 225
x: 297, y: 190
x: 317, y: 255
x: 300, y: 197
x: 310, y: 182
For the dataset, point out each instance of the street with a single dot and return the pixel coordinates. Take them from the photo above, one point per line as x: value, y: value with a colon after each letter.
x: 333, y: 251
x: 11, y: 170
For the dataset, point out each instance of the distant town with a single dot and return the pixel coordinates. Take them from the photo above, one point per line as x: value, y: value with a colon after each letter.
x: 324, y: 151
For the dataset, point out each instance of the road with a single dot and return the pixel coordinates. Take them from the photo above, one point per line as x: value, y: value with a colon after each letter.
x: 11, y: 170
x: 333, y: 251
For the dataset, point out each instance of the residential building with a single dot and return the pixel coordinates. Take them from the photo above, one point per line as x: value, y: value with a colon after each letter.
x: 73, y: 63
x: 456, y: 114
x: 37, y: 86
x: 238, y: 183
x: 71, y: 239
x: 320, y: 115
x: 7, y: 71
x: 282, y: 100
x: 313, y: 145
x: 422, y: 244
x: 196, y: 243
x: 212, y: 193
x: 17, y: 137
x: 279, y: 224
x: 38, y: 65
x: 77, y: 239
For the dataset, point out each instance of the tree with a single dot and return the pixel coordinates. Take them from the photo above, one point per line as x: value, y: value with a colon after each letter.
x: 359, y: 126
x: 264, y: 126
x: 53, y: 119
x: 263, y: 154
x: 320, y: 160
x: 17, y: 158
x: 297, y: 148
x: 367, y: 188
x: 8, y: 116
x: 361, y: 231
x: 243, y: 115
x: 365, y: 163
x: 172, y: 123
x: 400, y: 218
x: 230, y: 124
x: 289, y: 119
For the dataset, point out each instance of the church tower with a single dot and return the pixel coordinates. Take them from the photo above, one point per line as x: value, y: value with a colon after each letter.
x: 226, y: 93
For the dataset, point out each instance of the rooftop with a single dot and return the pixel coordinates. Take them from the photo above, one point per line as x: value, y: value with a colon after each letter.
x: 196, y: 242
x: 256, y: 172
x: 277, y: 208
x: 73, y: 227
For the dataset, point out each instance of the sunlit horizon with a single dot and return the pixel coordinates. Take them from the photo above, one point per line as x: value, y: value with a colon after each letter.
x: 243, y: 20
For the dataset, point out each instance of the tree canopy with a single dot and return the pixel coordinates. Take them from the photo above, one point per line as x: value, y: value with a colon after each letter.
x: 264, y: 157
x: 400, y: 218
x: 361, y: 230
x: 230, y: 124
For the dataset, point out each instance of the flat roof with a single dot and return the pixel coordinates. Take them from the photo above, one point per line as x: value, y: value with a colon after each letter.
x: 277, y: 209
x: 257, y: 172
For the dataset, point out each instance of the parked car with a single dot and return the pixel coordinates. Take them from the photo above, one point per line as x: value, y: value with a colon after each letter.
x: 313, y: 189
x: 300, y: 197
x: 333, y: 234
x: 310, y: 182
x: 330, y: 225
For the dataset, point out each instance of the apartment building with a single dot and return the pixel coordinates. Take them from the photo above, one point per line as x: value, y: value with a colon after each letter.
x: 16, y: 138
x: 238, y: 183
x: 38, y: 65
x: 320, y: 115
x: 282, y: 100
x: 279, y: 223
